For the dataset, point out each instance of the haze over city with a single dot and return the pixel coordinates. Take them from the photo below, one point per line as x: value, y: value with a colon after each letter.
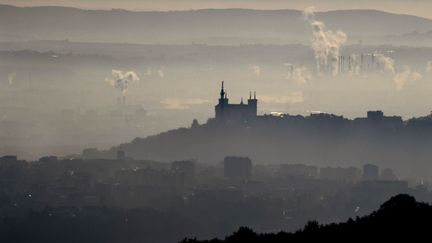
x: 258, y: 116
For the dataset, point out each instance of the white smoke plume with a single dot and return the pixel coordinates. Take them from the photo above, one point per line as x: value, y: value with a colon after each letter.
x: 255, y: 69
x: 326, y: 44
x: 406, y: 76
x: 299, y: 75
x: 400, y: 79
x: 122, y: 80
x: 429, y: 66
x: 309, y: 13
x: 387, y: 63
x: 11, y: 78
x: 354, y: 65
x: 161, y: 73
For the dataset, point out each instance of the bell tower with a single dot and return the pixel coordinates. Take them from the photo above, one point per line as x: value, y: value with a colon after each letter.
x: 222, y: 105
x: 252, y: 104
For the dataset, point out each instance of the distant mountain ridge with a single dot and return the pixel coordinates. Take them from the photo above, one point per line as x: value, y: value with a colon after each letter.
x: 199, y: 26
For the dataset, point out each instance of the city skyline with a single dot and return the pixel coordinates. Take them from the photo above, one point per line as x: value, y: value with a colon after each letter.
x: 165, y: 121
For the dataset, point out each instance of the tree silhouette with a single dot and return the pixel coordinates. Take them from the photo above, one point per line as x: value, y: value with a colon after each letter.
x: 401, y: 217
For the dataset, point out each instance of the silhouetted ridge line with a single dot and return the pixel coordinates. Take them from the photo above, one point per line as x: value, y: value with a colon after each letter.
x: 401, y: 217
x: 194, y: 26
x: 237, y: 129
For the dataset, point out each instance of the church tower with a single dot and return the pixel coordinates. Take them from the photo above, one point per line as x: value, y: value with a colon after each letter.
x: 242, y: 112
x: 222, y: 105
x: 223, y: 100
x: 252, y: 104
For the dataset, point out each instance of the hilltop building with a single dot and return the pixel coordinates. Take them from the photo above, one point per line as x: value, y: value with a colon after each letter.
x: 235, y: 112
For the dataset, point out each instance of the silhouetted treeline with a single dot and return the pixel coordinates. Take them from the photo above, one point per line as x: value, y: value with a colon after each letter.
x: 401, y: 217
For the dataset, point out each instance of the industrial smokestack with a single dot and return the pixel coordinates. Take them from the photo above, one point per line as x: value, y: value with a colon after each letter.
x: 350, y: 66
x: 343, y: 64
x: 326, y: 43
x: 121, y: 81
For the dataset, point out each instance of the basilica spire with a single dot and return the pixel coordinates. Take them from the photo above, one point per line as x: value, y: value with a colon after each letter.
x: 222, y: 92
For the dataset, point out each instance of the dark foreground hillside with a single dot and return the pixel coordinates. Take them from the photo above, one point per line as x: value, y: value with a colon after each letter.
x: 401, y: 217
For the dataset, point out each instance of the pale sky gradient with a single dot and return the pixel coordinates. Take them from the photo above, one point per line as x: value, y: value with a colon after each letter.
x: 421, y: 8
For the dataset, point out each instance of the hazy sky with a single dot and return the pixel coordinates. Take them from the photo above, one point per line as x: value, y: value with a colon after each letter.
x: 414, y: 7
